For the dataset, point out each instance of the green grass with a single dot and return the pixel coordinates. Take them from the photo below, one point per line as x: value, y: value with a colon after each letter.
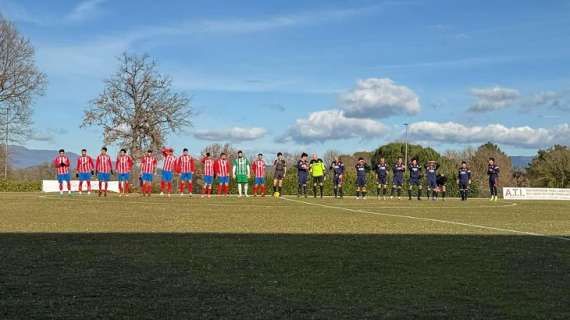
x: 160, y: 258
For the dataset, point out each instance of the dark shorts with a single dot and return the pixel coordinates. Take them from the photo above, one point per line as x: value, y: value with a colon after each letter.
x: 337, y: 180
x: 415, y: 182
x: 383, y: 180
x: 463, y: 185
x: 318, y: 180
x: 279, y: 175
x: 398, y: 181
x: 303, y: 176
x: 361, y: 182
x: 432, y: 183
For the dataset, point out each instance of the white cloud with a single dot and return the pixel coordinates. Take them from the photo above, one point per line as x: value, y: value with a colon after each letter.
x: 92, y: 58
x: 527, y: 137
x: 495, y: 98
x: 85, y: 10
x: 379, y: 98
x: 557, y: 100
x: 235, y: 134
x: 332, y: 125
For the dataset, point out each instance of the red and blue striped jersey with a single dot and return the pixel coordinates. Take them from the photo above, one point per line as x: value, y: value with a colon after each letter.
x: 124, y: 164
x: 104, y: 163
x: 148, y: 164
x: 85, y: 164
x: 185, y: 164
x: 62, y: 164
x: 258, y: 168
x: 169, y: 162
x: 222, y: 168
x: 208, y: 164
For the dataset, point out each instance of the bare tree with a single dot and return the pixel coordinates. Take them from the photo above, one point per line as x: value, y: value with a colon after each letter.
x: 217, y: 149
x: 20, y: 82
x: 137, y: 108
x: 330, y: 155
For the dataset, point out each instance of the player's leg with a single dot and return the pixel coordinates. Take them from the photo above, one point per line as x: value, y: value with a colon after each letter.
x: 419, y: 186
x: 321, y: 185
x: 335, y: 186
x: 378, y: 189
x: 314, y: 187
x: 410, y: 190
x: 262, y: 184
x: 60, y: 182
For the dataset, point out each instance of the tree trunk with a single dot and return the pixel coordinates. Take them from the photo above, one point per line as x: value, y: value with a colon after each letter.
x: 7, y: 126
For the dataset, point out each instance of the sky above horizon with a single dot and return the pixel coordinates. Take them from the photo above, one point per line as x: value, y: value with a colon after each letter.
x: 311, y: 76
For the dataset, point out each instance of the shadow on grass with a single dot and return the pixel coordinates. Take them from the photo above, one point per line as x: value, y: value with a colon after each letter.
x: 255, y: 276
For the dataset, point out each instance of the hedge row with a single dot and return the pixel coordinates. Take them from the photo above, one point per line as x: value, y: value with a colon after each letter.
x: 20, y: 186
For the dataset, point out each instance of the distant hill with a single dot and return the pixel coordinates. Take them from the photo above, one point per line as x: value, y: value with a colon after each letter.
x: 521, y: 162
x: 22, y: 157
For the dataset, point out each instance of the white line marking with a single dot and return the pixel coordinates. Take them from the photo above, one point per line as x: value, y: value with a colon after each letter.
x: 478, y: 226
x: 165, y: 202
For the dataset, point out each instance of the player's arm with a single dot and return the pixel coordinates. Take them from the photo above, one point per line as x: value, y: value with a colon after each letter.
x: 110, y: 164
x: 285, y: 171
x: 234, y: 171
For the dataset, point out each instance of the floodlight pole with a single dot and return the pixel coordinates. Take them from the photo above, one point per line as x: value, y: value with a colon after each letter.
x: 406, y: 142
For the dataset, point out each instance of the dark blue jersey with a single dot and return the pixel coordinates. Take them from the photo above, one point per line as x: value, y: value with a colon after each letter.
x: 302, y: 166
x: 493, y: 172
x: 415, y: 171
x: 464, y: 175
x: 362, y: 169
x: 337, y: 167
x: 399, y: 169
x: 431, y: 171
x: 382, y: 170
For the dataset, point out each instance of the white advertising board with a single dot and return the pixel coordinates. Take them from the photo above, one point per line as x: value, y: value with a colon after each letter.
x: 536, y: 194
x: 53, y: 186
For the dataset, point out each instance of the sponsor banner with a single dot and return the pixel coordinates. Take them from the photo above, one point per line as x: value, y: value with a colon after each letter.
x: 53, y: 186
x: 536, y: 194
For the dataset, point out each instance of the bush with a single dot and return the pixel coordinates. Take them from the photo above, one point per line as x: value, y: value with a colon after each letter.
x: 20, y: 186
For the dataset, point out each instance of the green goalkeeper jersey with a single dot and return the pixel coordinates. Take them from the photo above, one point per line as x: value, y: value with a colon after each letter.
x: 242, y: 166
x: 317, y: 168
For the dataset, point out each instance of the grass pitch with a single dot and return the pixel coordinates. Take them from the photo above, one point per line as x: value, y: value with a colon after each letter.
x: 83, y: 257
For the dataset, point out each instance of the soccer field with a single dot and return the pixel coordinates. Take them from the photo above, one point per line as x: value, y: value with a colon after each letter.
x: 174, y: 258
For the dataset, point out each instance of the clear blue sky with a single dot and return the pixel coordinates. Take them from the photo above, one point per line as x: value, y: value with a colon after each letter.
x: 316, y: 75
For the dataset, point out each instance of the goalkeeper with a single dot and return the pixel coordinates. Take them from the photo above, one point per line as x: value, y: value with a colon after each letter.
x: 317, y: 171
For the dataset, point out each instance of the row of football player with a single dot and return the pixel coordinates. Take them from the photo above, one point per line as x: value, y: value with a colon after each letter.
x: 242, y: 169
